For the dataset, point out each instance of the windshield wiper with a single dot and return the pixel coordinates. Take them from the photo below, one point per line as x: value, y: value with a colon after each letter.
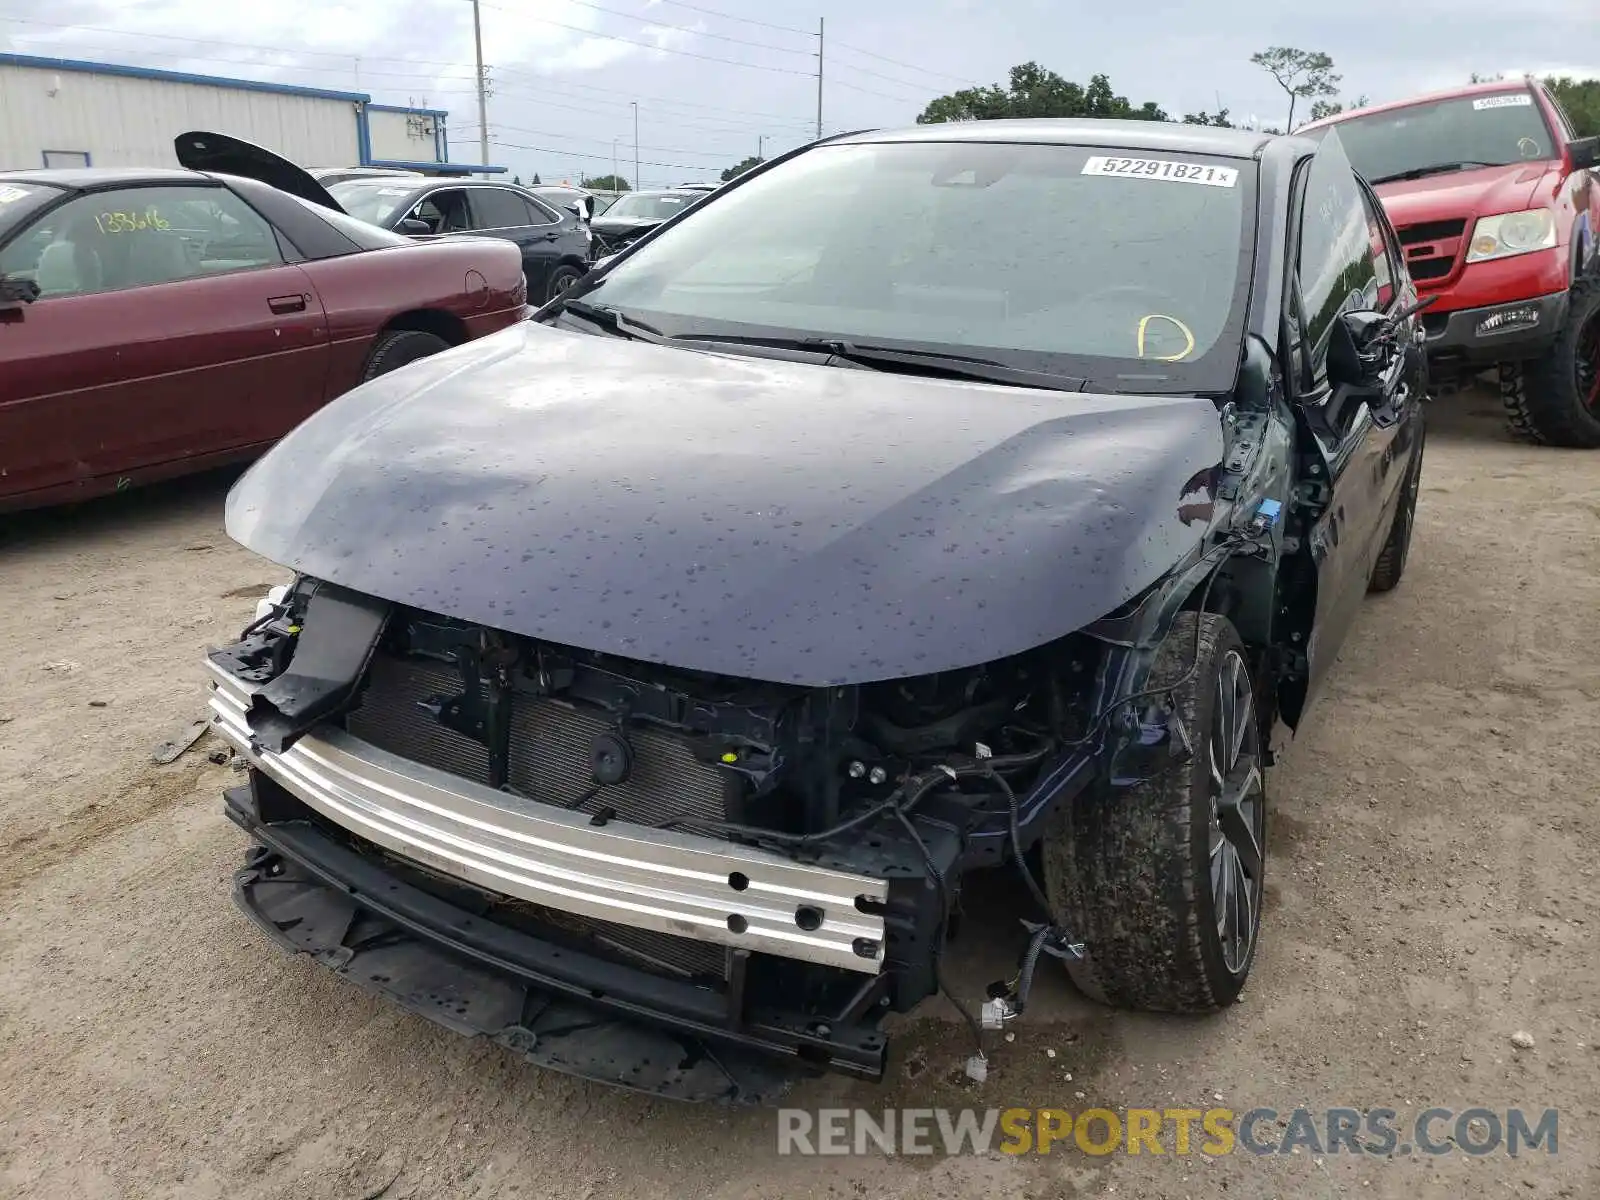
x: 1435, y: 169
x: 614, y: 322
x: 930, y: 362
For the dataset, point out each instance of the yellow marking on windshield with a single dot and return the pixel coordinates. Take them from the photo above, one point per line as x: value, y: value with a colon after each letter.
x: 1144, y: 324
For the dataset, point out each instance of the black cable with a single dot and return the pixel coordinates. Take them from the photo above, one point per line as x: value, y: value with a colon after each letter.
x: 1039, y: 896
x: 1030, y: 960
x: 944, y: 929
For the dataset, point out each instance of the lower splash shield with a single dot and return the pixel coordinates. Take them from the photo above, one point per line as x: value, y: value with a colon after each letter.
x: 584, y: 1017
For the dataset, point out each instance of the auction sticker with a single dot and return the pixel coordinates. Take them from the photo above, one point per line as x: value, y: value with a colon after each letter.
x: 9, y: 193
x: 1511, y: 100
x: 1161, y: 168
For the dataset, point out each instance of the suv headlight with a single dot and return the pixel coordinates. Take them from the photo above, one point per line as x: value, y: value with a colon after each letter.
x: 1512, y: 233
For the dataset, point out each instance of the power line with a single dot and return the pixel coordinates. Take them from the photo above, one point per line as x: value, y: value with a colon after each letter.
x: 870, y: 92
x: 561, y: 82
x: 602, y: 157
x: 611, y: 37
x: 721, y: 37
x: 542, y: 96
x: 711, y: 12
x: 720, y: 155
x: 895, y: 62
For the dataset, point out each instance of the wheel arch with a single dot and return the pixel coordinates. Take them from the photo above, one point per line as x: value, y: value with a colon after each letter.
x: 429, y: 320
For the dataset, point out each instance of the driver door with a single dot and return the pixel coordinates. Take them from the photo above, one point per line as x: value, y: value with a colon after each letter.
x: 1355, y: 444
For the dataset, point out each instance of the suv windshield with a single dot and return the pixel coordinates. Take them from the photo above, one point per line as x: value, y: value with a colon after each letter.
x: 376, y: 201
x: 653, y: 206
x: 1127, y: 268
x: 1467, y: 131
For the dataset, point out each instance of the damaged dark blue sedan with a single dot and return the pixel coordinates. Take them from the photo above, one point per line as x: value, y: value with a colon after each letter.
x: 655, y: 672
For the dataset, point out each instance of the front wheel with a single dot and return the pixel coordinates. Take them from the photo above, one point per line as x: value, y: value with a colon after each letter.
x: 1555, y: 399
x: 1162, y: 881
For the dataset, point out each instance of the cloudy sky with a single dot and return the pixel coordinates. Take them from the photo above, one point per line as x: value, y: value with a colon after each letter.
x: 715, y: 79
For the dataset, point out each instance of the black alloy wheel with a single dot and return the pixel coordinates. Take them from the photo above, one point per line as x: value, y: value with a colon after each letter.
x: 1162, y: 880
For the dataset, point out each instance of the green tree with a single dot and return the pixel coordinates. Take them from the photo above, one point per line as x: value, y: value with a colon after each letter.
x: 1219, y: 119
x: 1332, y: 108
x: 517, y: 179
x: 1300, y: 73
x: 1581, y: 99
x: 740, y: 167
x: 536, y: 179
x: 607, y: 183
x: 1036, y: 92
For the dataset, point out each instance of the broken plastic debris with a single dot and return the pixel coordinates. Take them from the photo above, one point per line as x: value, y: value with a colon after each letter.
x: 169, y: 750
x: 978, y: 1068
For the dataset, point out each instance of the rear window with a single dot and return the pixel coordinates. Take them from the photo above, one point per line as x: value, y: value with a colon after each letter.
x: 1465, y: 131
x: 377, y: 201
x: 367, y: 237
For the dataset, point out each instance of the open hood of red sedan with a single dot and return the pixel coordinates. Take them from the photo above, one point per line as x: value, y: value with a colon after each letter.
x: 217, y: 152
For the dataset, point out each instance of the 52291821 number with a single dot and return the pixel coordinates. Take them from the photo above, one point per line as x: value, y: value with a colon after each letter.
x: 1164, y: 169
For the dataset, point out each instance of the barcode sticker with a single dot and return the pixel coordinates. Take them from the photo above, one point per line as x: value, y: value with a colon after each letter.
x: 1163, y: 169
x: 1512, y: 100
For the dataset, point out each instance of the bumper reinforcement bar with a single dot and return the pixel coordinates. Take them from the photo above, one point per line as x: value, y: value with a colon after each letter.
x: 673, y: 883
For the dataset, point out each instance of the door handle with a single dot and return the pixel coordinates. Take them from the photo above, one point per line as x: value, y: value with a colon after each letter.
x: 287, y: 304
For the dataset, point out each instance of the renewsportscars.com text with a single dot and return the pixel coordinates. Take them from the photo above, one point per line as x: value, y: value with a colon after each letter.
x: 1380, y: 1132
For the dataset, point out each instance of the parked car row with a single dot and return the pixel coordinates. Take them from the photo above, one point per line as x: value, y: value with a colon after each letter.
x: 156, y: 322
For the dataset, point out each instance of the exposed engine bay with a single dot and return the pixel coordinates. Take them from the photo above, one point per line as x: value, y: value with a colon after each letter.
x: 911, y: 781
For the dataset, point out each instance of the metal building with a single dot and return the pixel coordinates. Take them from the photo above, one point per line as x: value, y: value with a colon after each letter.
x: 60, y: 112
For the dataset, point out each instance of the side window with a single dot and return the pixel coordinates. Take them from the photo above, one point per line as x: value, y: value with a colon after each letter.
x: 538, y: 214
x: 1383, y: 263
x: 136, y: 237
x: 1336, y: 270
x: 496, y: 208
x: 445, y: 211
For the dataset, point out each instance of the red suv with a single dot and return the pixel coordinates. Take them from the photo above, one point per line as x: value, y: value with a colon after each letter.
x: 1496, y: 203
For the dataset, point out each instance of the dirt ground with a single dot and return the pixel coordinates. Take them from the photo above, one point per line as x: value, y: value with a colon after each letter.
x: 1432, y: 891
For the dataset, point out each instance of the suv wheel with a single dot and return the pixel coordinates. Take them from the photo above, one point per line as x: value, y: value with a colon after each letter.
x: 1163, y: 881
x: 1555, y: 399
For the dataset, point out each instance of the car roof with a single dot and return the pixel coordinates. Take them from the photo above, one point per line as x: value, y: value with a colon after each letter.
x: 83, y: 178
x: 1075, y: 131
x: 1494, y: 87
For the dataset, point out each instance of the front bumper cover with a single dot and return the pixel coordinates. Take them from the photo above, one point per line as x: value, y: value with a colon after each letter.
x: 559, y: 1008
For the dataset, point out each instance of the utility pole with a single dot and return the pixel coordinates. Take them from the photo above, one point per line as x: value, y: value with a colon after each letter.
x: 483, y: 97
x: 819, y: 71
x: 761, y: 142
x: 613, y: 163
x: 635, y: 104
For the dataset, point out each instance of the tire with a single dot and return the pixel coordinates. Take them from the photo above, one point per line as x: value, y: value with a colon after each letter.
x: 1391, y: 564
x: 561, y: 279
x: 1554, y: 399
x: 398, y: 347
x: 1131, y: 873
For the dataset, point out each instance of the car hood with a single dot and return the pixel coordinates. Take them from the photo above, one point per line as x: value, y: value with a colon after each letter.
x: 224, y: 155
x: 1458, y: 194
x: 605, y: 224
x: 757, y: 518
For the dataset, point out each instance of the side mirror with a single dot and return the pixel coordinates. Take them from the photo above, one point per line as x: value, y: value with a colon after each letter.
x: 16, y: 292
x: 414, y: 227
x: 1585, y: 153
x: 1356, y: 354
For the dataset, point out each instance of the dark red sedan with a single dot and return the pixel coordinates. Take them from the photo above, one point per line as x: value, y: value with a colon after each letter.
x: 156, y: 322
